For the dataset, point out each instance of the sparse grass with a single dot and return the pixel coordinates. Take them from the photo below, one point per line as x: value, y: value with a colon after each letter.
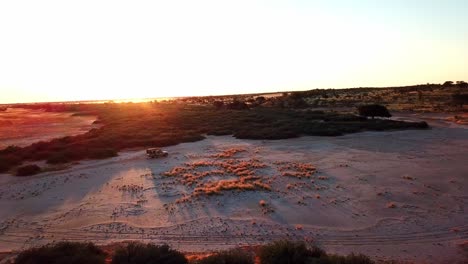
x: 297, y: 170
x: 197, y: 174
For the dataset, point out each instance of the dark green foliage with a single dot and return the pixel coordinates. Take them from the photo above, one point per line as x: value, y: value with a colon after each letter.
x: 373, y: 110
x: 28, y: 170
x: 138, y: 253
x: 228, y: 257
x: 63, y: 253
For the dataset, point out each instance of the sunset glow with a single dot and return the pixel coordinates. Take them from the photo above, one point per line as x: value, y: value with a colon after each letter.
x: 87, y: 50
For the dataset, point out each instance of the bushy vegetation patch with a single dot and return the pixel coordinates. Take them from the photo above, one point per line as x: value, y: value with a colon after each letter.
x: 165, y: 124
x: 373, y: 110
x: 279, y: 252
x: 28, y: 170
x: 139, y: 253
x: 285, y: 252
x: 63, y: 253
x: 234, y: 256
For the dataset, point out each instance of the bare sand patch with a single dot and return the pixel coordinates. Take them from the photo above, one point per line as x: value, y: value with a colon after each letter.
x: 333, y: 191
x: 22, y: 127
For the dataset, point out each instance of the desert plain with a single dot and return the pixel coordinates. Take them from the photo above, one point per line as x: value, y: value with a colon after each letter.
x: 399, y: 195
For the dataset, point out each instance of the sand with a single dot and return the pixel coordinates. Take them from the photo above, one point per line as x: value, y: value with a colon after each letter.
x: 391, y: 195
x: 22, y: 127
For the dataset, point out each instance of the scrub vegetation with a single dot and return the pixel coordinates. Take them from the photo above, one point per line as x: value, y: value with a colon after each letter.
x: 160, y: 124
x: 280, y: 252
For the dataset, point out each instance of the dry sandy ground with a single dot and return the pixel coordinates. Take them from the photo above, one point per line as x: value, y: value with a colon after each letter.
x: 21, y: 127
x: 391, y: 195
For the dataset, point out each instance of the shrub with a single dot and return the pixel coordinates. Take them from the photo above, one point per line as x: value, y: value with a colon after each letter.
x: 228, y: 257
x: 102, y: 153
x: 460, y: 99
x: 28, y: 170
x: 218, y: 104
x: 10, y: 149
x: 138, y: 253
x: 373, y: 110
x: 8, y: 161
x: 285, y: 252
x: 237, y: 105
x: 58, y: 157
x: 350, y: 259
x: 63, y: 253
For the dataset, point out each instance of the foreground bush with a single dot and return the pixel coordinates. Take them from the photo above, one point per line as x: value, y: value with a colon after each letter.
x: 286, y: 252
x: 373, y: 110
x: 63, y: 253
x: 228, y: 257
x: 138, y: 253
x: 28, y: 170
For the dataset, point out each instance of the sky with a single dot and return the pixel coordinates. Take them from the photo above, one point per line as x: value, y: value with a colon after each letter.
x: 87, y: 50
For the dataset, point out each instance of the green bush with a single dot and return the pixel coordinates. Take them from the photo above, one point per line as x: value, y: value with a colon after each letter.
x: 63, y: 253
x: 228, y: 257
x: 28, y: 170
x: 138, y: 253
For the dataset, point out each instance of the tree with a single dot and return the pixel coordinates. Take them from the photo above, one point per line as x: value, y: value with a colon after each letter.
x: 447, y: 83
x: 373, y: 110
x: 462, y: 84
x: 260, y: 100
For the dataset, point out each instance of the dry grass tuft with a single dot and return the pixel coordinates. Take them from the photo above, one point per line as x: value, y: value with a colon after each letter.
x: 295, y: 169
x: 229, y: 153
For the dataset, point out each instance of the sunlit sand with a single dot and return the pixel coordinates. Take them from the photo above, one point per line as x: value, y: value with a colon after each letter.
x: 390, y: 195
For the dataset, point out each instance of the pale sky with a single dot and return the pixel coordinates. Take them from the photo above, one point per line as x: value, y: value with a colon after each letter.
x: 83, y: 50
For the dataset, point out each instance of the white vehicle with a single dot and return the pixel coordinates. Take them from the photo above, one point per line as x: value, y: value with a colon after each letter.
x: 156, y: 153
